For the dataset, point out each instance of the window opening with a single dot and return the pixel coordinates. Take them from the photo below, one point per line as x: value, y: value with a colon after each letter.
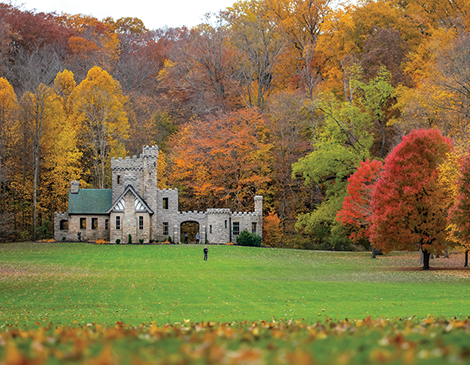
x: 64, y: 225
x: 236, y: 228
x: 165, y: 228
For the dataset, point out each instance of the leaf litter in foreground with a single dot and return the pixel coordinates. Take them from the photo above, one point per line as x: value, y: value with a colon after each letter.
x: 367, y: 341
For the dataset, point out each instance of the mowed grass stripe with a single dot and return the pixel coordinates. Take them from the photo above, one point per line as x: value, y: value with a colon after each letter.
x: 68, y: 283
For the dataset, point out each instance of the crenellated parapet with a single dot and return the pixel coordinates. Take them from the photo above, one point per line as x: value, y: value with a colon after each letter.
x: 61, y: 215
x: 135, y: 163
x: 168, y: 190
x: 218, y: 211
x: 127, y: 164
x: 245, y: 214
x: 199, y: 215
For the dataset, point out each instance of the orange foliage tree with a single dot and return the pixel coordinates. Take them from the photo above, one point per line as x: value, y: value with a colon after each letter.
x: 272, y: 231
x: 221, y: 162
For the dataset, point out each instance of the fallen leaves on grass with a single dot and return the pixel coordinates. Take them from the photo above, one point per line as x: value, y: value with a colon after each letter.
x: 346, y: 342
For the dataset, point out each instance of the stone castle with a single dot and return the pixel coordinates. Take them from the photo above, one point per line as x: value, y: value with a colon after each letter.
x: 135, y: 206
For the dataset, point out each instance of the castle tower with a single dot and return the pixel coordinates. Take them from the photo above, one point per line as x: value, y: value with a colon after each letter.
x: 140, y: 172
x: 149, y: 159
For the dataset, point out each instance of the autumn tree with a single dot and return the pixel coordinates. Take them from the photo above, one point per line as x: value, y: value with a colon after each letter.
x: 301, y: 22
x: 290, y: 130
x: 259, y: 45
x: 8, y: 115
x: 222, y: 162
x: 202, y: 71
x: 272, y: 230
x: 93, y: 43
x: 98, y: 105
x: 410, y: 203
x: 357, y: 210
x: 458, y: 219
x: 61, y: 155
x: 39, y: 110
x: 342, y: 140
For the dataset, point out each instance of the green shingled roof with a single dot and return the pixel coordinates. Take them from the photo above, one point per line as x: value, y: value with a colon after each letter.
x: 90, y: 201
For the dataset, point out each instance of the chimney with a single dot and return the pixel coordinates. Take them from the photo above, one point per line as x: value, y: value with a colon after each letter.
x: 74, y: 186
x: 259, y: 203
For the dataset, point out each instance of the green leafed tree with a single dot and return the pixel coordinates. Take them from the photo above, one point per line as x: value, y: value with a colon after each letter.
x: 342, y: 140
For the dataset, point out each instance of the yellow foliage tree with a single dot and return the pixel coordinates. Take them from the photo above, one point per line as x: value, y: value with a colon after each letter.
x: 8, y: 113
x: 41, y: 111
x: 64, y: 85
x: 98, y: 107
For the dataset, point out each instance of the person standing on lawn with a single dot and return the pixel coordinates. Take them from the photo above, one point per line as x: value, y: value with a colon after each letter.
x: 197, y: 238
x: 205, y: 253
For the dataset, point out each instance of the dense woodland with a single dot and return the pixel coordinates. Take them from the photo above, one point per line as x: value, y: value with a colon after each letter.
x: 282, y: 98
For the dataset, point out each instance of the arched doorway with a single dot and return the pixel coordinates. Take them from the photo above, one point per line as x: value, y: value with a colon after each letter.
x: 191, y: 228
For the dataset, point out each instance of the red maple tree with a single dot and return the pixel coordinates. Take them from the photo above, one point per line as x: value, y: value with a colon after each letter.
x: 409, y: 203
x: 356, y: 209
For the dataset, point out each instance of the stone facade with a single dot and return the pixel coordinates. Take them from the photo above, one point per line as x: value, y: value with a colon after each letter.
x: 136, y: 207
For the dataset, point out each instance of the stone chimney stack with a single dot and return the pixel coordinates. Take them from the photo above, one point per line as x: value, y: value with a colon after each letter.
x: 259, y: 203
x: 74, y: 186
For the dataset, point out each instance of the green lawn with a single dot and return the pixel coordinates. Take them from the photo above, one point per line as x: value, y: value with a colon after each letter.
x: 79, y: 283
x: 82, y: 303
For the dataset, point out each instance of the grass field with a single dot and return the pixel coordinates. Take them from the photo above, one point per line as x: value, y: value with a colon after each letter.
x: 143, y: 288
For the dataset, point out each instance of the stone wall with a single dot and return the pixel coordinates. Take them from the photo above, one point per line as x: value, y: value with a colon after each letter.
x: 218, y: 225
x: 245, y: 220
x: 168, y: 215
x: 87, y: 234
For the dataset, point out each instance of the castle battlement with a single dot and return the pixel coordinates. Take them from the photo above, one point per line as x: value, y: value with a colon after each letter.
x: 245, y: 214
x: 61, y: 215
x: 167, y: 190
x: 135, y: 163
x: 218, y: 211
x: 191, y: 213
x: 149, y: 151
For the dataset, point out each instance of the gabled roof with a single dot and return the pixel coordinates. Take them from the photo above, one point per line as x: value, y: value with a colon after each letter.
x: 90, y: 201
x: 139, y: 204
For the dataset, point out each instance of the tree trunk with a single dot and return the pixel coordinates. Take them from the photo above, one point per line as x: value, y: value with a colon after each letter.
x: 373, y: 252
x: 446, y: 255
x: 466, y: 259
x: 35, y: 195
x: 426, y: 256
x: 421, y: 257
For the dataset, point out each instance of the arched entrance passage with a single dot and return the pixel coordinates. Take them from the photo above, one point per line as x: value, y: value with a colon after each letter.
x: 190, y: 228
